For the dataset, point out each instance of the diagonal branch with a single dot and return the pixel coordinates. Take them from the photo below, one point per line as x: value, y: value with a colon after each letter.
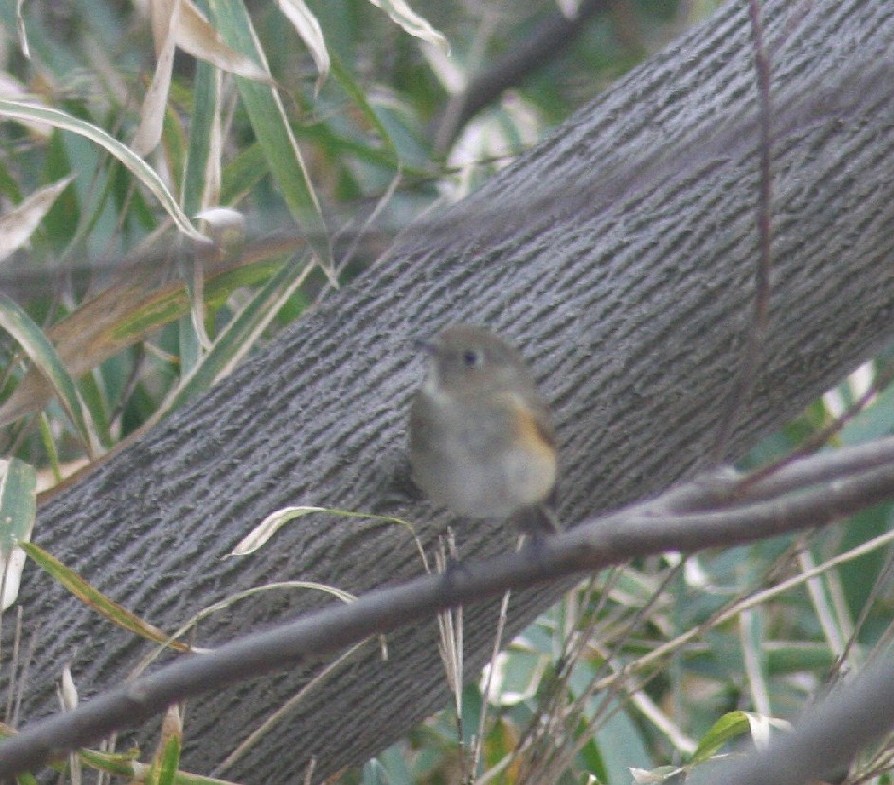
x: 548, y: 41
x: 827, y: 737
x: 865, y: 476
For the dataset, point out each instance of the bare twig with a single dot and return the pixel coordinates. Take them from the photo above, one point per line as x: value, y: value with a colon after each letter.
x: 553, y: 36
x: 828, y: 736
x: 646, y: 528
x: 883, y: 378
x: 744, y: 379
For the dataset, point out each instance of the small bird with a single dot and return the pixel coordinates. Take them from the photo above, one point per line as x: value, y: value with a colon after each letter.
x: 481, y: 438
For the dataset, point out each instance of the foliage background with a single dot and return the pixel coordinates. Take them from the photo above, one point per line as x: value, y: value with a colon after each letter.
x: 656, y: 665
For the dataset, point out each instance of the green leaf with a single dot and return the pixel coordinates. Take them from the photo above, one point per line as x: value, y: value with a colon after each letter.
x: 239, y: 336
x: 356, y: 93
x: 18, y: 224
x: 730, y: 726
x: 204, y: 114
x: 17, y: 110
x: 17, y: 511
x: 167, y: 762
x: 41, y: 352
x: 270, y: 123
x: 96, y: 600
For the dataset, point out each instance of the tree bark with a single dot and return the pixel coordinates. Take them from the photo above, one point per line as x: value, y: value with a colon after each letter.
x: 618, y: 255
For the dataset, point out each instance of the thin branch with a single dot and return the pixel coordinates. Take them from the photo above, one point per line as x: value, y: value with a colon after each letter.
x: 723, y: 615
x: 882, y: 379
x: 281, y: 713
x: 553, y: 36
x: 745, y: 377
x: 881, y: 582
x: 827, y: 737
x: 728, y: 489
x: 637, y: 531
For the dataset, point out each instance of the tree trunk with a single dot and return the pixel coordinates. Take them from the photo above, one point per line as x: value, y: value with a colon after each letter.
x: 619, y: 256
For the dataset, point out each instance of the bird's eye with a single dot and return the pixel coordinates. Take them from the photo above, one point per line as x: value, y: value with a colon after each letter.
x: 472, y: 358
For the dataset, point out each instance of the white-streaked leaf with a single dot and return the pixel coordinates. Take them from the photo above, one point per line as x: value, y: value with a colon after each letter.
x: 14, y: 90
x: 452, y: 74
x: 166, y: 760
x: 68, y: 697
x: 32, y: 113
x: 20, y: 24
x: 68, y: 690
x: 409, y: 20
x: 727, y: 728
x: 260, y: 535
x: 568, y: 8
x: 95, y: 600
x: 212, y: 170
x: 653, y: 776
x: 196, y: 35
x: 17, y: 510
x: 17, y: 226
x: 165, y: 22
x: 274, y: 133
x: 760, y: 726
x: 307, y: 26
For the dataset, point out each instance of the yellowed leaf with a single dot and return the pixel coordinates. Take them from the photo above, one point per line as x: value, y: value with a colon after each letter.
x: 307, y: 26
x: 17, y: 226
x: 196, y: 35
x: 165, y: 22
x: 401, y: 13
